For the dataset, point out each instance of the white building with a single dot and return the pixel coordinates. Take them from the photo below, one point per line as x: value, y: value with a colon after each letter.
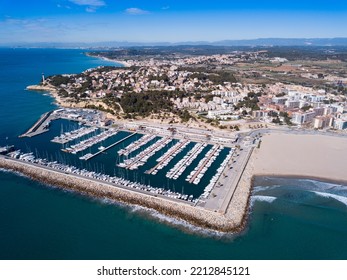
x: 340, y: 124
x: 323, y: 121
x: 216, y: 113
x: 291, y: 104
x: 330, y: 110
x: 301, y: 118
x: 279, y: 100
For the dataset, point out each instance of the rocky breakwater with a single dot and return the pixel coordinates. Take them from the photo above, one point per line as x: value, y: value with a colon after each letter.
x: 194, y: 215
x: 42, y: 88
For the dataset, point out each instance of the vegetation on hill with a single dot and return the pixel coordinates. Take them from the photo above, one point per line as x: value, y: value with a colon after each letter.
x: 143, y: 104
x: 250, y: 101
x: 58, y: 80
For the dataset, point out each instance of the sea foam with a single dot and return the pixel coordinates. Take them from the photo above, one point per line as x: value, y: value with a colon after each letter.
x: 339, y: 198
x: 178, y: 223
x: 261, y: 188
x: 264, y: 198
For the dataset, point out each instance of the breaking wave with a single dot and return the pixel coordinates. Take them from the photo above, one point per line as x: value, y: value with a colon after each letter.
x: 261, y: 188
x: 19, y: 174
x: 264, y: 198
x: 178, y: 223
x: 154, y: 215
x: 339, y: 198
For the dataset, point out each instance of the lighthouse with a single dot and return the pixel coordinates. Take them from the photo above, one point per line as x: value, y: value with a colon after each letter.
x: 43, y: 78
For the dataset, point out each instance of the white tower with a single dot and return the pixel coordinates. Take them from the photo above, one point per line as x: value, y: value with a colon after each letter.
x: 43, y: 77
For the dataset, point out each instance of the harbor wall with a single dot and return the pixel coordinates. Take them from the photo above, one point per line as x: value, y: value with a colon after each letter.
x: 239, y: 204
x: 195, y: 215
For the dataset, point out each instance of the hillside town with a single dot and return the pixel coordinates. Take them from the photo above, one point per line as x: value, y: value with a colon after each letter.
x: 224, y: 90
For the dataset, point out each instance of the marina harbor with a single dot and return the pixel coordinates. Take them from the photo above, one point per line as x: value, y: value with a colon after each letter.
x: 176, y: 163
x: 114, y: 151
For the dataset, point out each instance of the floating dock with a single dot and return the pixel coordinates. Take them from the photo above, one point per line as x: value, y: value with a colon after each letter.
x: 217, y: 176
x: 72, y: 135
x: 89, y: 156
x: 168, y: 156
x: 206, y: 162
x: 83, y: 145
x: 136, y: 145
x: 181, y: 166
x: 142, y: 157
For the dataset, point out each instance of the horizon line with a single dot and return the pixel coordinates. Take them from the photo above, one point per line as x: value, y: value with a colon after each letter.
x: 187, y: 42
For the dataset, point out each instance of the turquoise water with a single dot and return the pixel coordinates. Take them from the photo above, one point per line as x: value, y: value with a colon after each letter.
x: 290, y: 219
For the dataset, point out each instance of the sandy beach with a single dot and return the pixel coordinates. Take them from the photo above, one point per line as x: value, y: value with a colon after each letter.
x: 314, y: 156
x: 123, y: 63
x: 310, y: 156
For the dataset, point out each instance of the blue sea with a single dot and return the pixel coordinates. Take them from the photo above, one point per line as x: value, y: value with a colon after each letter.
x: 289, y: 218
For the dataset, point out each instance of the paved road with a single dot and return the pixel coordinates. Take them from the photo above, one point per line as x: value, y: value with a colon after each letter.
x: 221, y: 195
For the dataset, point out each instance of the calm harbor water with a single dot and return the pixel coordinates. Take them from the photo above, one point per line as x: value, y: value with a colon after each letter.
x: 290, y: 219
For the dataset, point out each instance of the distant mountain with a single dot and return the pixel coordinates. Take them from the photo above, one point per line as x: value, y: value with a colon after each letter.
x: 285, y: 42
x: 239, y: 43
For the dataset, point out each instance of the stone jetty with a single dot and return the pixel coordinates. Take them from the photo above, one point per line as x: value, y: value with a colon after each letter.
x: 197, y: 216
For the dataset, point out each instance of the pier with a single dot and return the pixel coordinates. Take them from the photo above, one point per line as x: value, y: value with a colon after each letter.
x: 181, y: 166
x: 74, y: 149
x: 136, y: 145
x: 168, y: 156
x: 40, y: 126
x: 204, y: 163
x: 142, y: 157
x: 225, y: 185
x: 72, y: 135
x: 217, y: 176
x: 89, y: 156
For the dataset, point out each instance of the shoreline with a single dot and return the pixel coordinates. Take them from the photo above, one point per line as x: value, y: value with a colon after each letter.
x: 60, y: 102
x: 236, y: 216
x: 318, y: 156
x: 122, y: 63
x: 290, y: 155
x: 300, y: 177
x: 181, y: 221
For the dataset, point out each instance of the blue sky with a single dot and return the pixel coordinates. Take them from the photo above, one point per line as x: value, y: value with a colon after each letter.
x: 168, y: 20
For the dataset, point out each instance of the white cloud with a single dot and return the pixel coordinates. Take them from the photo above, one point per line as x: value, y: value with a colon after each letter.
x: 165, y: 8
x: 23, y: 22
x: 90, y: 10
x: 91, y: 3
x: 65, y: 6
x: 16, y: 29
x: 136, y: 11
